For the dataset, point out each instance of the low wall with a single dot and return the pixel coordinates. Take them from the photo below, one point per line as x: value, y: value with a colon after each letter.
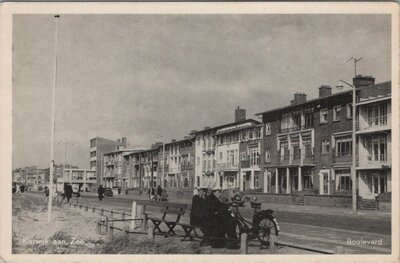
x: 328, y: 200
x: 385, y: 206
x: 287, y: 199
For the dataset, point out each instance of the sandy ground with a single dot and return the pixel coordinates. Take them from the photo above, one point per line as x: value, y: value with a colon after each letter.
x: 73, y: 231
x: 70, y: 231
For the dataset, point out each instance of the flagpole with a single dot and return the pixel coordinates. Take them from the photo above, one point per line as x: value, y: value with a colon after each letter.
x: 51, y: 192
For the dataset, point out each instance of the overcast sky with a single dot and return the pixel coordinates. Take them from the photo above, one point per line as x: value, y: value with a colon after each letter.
x: 141, y: 75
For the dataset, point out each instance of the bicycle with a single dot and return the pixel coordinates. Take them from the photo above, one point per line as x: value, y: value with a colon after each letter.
x: 263, y: 223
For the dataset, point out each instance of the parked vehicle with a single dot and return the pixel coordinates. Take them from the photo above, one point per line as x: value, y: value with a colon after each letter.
x: 108, y: 192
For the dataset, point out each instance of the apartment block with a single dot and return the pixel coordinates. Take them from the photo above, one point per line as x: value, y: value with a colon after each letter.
x: 98, y: 147
x: 307, y: 145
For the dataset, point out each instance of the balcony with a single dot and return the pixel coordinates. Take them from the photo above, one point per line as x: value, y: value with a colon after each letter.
x: 347, y: 158
x: 228, y: 167
x: 109, y: 175
x: 296, y: 128
x: 284, y: 157
x: 374, y: 123
x: 187, y: 166
x: 374, y: 162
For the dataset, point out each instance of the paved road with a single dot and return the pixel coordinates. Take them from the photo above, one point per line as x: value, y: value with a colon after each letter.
x: 310, y: 229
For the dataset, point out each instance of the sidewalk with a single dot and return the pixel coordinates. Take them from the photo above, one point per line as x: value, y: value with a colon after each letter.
x: 280, y: 207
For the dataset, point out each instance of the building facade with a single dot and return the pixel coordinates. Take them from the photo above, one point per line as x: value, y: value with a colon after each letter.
x: 98, y: 147
x: 307, y: 145
x: 373, y: 136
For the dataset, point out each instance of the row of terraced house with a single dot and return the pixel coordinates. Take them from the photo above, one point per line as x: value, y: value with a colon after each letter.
x: 304, y: 146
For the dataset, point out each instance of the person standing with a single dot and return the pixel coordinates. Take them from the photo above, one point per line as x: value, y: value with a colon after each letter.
x: 68, y: 192
x: 159, y: 193
x: 199, y: 212
x: 222, y: 225
x: 100, y: 192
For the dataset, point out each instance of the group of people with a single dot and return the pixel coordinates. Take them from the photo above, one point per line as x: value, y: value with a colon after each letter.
x: 210, y: 213
x: 158, y: 194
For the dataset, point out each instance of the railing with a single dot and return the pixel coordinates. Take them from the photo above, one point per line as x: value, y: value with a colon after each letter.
x: 296, y: 128
x: 379, y: 121
x: 345, y: 158
x: 227, y: 167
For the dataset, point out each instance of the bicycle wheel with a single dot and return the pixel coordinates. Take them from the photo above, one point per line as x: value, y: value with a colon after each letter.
x: 265, y: 228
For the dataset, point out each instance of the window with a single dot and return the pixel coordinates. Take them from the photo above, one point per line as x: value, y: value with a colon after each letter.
x: 268, y: 129
x: 258, y: 134
x: 296, y: 121
x: 220, y: 156
x: 284, y: 150
x: 235, y: 137
x: 221, y: 139
x: 198, y: 160
x: 336, y: 113
x: 308, y: 120
x: 324, y: 116
x: 377, y: 148
x: 256, y: 180
x: 243, y: 156
x: 250, y: 135
x: 343, y: 146
x: 254, y: 156
x: 296, y: 150
x: 243, y: 135
x: 325, y: 146
x: 343, y: 180
x: 349, y: 111
x: 307, y: 147
x: 268, y: 156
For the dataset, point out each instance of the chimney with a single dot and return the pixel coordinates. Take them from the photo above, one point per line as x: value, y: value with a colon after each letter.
x: 325, y: 91
x: 240, y: 114
x: 207, y: 127
x: 360, y: 81
x: 173, y: 140
x: 298, y: 98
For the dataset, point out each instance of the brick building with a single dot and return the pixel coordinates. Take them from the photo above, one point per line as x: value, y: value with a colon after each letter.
x: 307, y: 145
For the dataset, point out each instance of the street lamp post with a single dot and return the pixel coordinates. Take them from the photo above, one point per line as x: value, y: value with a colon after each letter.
x: 50, y: 204
x: 353, y: 162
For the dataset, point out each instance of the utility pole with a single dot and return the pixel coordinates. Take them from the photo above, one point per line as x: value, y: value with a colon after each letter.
x: 51, y: 193
x: 354, y: 147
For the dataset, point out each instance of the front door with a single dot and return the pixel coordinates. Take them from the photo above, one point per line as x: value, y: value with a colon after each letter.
x: 324, y: 176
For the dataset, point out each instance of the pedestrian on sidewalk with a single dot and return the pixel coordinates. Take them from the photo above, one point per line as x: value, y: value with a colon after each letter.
x: 100, y: 192
x: 46, y: 191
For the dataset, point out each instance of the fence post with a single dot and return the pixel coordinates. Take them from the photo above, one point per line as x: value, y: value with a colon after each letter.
x: 102, y: 211
x: 144, y: 222
x: 106, y: 224
x: 272, y: 246
x: 110, y: 230
x: 111, y: 214
x: 123, y: 215
x: 133, y: 212
x: 150, y: 232
x: 243, y: 243
x: 126, y: 228
x: 339, y: 250
x: 98, y: 227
